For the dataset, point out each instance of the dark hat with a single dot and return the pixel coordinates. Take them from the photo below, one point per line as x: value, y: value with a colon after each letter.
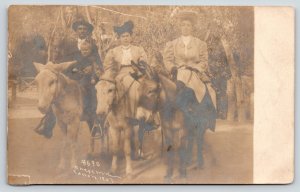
x: 127, y: 27
x: 76, y: 24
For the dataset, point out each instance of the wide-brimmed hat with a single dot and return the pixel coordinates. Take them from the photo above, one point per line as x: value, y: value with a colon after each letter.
x: 191, y: 16
x: 76, y: 24
x: 127, y: 27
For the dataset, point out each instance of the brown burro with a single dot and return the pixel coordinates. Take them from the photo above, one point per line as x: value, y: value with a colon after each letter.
x: 63, y: 95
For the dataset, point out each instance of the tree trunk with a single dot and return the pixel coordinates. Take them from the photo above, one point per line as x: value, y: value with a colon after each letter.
x: 236, y: 104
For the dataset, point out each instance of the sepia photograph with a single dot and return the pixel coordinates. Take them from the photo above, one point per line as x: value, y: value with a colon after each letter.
x: 128, y: 94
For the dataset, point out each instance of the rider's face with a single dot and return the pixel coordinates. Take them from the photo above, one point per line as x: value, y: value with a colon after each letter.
x: 186, y: 27
x: 82, y: 31
x: 125, y: 38
x: 86, y: 51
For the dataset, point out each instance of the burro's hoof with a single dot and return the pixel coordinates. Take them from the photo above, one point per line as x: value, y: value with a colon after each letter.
x: 129, y: 176
x: 91, y: 155
x: 61, y: 168
x: 200, y: 166
x: 113, y: 170
x: 168, y: 178
x: 182, y: 174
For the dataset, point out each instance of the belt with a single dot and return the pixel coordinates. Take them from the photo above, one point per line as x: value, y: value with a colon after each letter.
x: 126, y: 66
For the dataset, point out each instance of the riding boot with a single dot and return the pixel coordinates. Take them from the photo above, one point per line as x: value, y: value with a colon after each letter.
x: 46, y: 125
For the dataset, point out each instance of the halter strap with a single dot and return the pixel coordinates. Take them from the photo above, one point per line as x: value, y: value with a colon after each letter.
x: 58, y: 75
x: 108, y: 80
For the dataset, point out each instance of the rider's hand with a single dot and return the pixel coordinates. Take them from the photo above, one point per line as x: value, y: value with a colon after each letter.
x: 173, y: 70
x: 93, y: 81
x: 88, y: 70
x: 75, y: 70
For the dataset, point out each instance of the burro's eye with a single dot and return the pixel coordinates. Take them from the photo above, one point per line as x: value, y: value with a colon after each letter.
x: 110, y: 90
x: 51, y: 82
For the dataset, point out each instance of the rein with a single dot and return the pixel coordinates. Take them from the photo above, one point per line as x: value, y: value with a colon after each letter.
x: 118, y: 101
x: 123, y: 96
x: 58, y: 75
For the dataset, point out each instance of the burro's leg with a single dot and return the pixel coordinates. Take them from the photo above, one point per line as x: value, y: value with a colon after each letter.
x: 200, y: 141
x: 136, y: 144
x: 90, y: 123
x: 114, y: 135
x: 72, y: 136
x: 182, y: 152
x: 170, y: 153
x: 190, y: 137
x: 208, y: 148
x: 64, y: 145
x: 127, y: 150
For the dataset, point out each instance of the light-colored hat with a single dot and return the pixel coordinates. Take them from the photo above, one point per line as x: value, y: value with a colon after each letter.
x: 187, y: 15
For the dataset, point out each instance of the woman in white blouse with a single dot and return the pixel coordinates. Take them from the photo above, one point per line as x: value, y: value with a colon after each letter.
x: 118, y: 68
x: 117, y: 62
x: 186, y: 59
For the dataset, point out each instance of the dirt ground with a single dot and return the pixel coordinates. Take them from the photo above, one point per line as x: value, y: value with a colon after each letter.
x: 35, y: 159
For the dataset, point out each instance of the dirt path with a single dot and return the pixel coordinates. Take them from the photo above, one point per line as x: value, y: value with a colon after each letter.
x: 33, y: 155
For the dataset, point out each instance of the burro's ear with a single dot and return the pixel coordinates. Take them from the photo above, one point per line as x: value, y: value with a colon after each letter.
x: 63, y: 66
x: 38, y: 66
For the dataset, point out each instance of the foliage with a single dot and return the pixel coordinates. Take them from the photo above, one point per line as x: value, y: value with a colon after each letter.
x: 154, y: 25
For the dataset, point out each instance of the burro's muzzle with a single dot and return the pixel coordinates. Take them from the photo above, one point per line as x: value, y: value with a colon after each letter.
x: 106, y: 92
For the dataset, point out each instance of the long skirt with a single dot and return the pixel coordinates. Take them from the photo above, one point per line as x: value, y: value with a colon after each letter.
x: 204, y: 111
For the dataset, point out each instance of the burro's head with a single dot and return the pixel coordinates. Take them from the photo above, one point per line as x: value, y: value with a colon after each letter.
x: 48, y: 83
x: 106, y: 94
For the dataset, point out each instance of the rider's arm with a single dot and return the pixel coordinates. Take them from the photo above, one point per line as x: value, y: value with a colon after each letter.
x: 202, y: 63
x: 143, y: 55
x: 168, y: 56
x: 110, y: 67
x: 97, y: 57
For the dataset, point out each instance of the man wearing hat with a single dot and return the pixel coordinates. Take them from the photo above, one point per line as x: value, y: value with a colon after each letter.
x: 72, y: 49
x: 83, y: 30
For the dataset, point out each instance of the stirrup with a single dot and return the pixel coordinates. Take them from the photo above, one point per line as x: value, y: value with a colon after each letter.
x: 96, y: 126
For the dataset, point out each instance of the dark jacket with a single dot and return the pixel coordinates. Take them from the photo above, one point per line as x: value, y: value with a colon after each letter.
x: 84, y: 70
x: 70, y: 50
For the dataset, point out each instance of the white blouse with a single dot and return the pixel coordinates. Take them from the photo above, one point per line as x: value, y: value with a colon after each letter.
x: 79, y: 42
x: 127, y: 56
x: 186, y: 40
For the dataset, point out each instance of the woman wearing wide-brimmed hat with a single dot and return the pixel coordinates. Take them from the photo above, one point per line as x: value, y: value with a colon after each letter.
x: 117, y: 62
x: 186, y: 59
x: 118, y: 68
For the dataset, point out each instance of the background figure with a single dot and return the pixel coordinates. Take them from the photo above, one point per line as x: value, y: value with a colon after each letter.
x: 31, y: 48
x: 219, y: 70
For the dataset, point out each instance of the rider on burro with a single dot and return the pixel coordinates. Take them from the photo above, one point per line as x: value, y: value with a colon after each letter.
x: 186, y: 59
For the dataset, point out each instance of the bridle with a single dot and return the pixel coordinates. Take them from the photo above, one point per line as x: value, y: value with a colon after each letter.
x: 123, y: 96
x: 119, y: 99
x: 56, y: 82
